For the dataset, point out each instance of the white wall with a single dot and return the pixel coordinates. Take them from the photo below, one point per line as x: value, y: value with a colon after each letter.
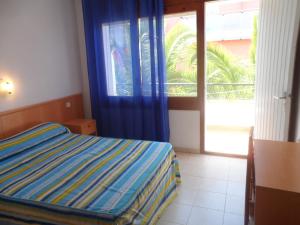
x: 39, y: 50
x: 83, y: 60
x: 185, y: 130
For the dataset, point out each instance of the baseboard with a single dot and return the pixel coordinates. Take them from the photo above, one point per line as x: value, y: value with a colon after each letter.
x: 187, y: 150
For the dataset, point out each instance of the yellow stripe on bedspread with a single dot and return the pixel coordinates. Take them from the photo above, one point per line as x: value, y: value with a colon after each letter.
x: 73, y: 179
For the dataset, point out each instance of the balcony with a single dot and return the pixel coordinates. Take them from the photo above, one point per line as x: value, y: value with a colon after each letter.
x: 229, y: 114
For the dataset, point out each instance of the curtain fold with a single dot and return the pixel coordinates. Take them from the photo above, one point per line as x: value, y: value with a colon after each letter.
x: 127, y: 71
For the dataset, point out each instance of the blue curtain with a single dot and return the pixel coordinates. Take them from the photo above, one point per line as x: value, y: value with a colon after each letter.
x: 126, y: 63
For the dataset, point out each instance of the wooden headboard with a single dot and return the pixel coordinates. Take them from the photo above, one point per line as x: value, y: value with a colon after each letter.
x: 59, y: 110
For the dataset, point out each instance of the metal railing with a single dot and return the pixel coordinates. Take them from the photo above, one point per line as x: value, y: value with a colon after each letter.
x: 214, y: 91
x: 230, y: 91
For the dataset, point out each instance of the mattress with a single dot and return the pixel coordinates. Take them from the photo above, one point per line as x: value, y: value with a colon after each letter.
x: 49, y: 175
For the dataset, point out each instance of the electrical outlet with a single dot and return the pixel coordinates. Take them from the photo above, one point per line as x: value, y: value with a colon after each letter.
x: 68, y: 104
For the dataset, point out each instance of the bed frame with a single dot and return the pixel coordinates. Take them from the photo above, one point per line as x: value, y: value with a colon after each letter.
x: 58, y: 110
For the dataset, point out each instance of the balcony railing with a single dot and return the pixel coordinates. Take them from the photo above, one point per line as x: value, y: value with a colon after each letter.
x: 214, y: 91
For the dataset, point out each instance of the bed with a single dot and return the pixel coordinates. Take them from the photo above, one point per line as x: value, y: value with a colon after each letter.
x: 49, y: 175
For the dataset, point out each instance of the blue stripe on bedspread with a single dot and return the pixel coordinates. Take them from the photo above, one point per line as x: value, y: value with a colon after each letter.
x: 93, y: 175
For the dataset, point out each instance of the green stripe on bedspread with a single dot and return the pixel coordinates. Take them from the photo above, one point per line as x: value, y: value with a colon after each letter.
x: 89, y: 179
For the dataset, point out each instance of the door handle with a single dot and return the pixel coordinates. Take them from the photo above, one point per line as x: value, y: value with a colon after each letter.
x: 280, y: 97
x: 284, y: 97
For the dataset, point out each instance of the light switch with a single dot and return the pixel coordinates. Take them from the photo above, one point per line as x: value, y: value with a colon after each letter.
x: 68, y: 104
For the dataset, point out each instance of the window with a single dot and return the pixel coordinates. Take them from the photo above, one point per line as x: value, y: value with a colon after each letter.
x: 118, y: 59
x: 183, y: 42
x: 185, y: 62
x: 118, y: 65
x: 181, y: 54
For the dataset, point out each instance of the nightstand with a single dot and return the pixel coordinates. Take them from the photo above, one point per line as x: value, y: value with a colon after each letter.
x: 82, y: 126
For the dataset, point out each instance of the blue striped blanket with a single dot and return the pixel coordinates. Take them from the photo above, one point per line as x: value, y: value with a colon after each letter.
x: 51, y: 176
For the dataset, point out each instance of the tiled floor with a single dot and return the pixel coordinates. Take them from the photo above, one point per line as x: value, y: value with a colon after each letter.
x: 211, y: 193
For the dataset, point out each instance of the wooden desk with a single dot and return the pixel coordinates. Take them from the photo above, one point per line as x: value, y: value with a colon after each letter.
x: 277, y: 183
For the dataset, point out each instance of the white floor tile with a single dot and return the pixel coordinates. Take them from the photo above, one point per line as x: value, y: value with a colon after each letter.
x: 210, y: 200
x: 177, y: 213
x: 213, y: 162
x: 206, y: 184
x: 236, y: 188
x: 232, y: 219
x: 237, y: 176
x: 213, y: 185
x: 202, y: 216
x: 210, y: 186
x: 190, y: 182
x: 236, y: 163
x: 213, y: 172
x: 185, y: 196
x: 187, y: 169
x: 161, y: 222
x: 235, y: 204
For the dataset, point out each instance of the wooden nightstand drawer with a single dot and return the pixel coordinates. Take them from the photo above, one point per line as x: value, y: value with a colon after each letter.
x: 88, y: 127
x: 82, y: 126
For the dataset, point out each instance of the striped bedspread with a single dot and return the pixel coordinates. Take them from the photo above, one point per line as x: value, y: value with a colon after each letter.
x: 51, y: 176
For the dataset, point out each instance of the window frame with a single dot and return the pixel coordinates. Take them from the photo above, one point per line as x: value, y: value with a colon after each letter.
x: 193, y: 103
x: 181, y: 6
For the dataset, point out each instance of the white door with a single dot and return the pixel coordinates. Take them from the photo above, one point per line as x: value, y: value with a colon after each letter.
x: 276, y: 48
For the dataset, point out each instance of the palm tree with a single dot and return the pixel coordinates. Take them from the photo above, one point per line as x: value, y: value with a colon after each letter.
x: 226, y: 75
x: 180, y: 68
x: 177, y: 47
x: 221, y: 66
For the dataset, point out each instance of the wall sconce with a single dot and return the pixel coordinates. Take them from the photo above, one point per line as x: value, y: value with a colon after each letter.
x: 6, y: 86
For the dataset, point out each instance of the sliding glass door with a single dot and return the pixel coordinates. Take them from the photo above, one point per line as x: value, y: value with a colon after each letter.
x: 230, y: 59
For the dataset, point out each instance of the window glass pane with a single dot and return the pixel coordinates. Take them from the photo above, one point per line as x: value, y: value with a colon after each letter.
x: 181, y: 53
x: 149, y: 70
x: 230, y: 40
x: 118, y: 65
